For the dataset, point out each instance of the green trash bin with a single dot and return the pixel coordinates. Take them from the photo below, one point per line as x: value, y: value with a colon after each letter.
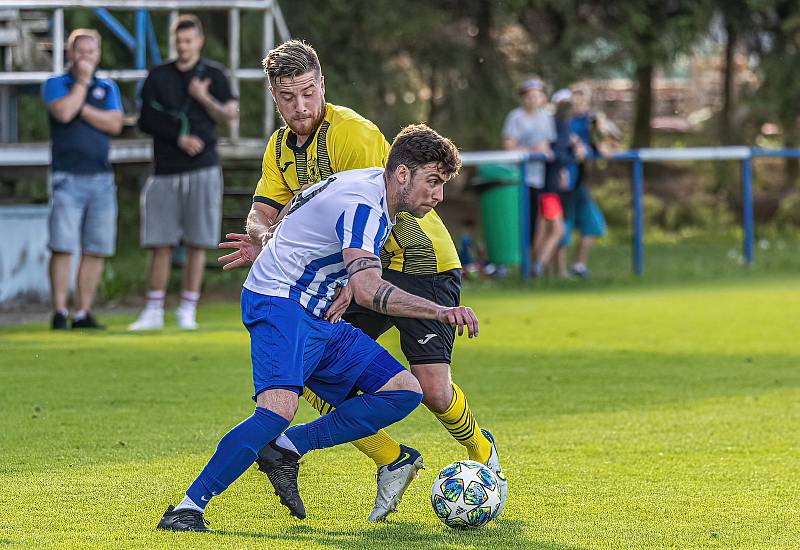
x: 498, y: 188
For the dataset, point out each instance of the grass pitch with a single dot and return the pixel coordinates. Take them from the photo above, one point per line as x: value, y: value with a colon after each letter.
x: 626, y: 418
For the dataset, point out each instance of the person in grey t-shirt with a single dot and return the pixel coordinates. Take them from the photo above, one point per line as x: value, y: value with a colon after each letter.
x: 531, y: 128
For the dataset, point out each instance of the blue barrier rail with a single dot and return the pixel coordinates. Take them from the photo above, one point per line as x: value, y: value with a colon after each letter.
x: 637, y: 158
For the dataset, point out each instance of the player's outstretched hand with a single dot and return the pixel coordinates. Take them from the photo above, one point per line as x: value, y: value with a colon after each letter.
x: 342, y: 298
x: 245, y: 252
x: 460, y: 317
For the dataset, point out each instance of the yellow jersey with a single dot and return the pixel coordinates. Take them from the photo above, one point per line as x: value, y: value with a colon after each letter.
x: 346, y: 141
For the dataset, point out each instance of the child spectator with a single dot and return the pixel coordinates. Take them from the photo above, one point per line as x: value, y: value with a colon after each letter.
x: 559, y: 179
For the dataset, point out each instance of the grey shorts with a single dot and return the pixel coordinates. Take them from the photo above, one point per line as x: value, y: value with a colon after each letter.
x: 83, y: 213
x: 185, y: 207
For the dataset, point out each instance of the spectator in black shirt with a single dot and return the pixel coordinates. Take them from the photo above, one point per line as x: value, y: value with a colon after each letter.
x: 182, y: 102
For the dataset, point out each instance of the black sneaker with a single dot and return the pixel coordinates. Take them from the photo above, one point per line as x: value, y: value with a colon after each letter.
x: 59, y: 321
x: 184, y: 519
x: 282, y: 467
x: 87, y: 322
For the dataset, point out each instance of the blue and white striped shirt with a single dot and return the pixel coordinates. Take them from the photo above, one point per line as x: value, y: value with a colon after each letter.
x: 303, y: 260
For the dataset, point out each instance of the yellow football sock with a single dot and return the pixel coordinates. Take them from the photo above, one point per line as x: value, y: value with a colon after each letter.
x: 458, y: 420
x: 381, y: 448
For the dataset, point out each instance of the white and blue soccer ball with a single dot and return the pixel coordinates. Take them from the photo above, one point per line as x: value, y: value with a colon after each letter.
x: 465, y: 495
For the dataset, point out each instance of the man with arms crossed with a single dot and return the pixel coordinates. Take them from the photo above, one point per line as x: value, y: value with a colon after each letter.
x: 332, y: 233
x: 321, y: 139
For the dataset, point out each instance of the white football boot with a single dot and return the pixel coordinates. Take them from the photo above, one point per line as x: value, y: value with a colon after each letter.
x: 494, y: 465
x: 393, y: 479
x: 149, y: 319
x: 186, y: 318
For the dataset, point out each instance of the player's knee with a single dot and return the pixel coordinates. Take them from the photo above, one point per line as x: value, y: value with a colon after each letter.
x: 437, y: 394
x: 437, y: 399
x: 403, y: 381
x: 280, y: 401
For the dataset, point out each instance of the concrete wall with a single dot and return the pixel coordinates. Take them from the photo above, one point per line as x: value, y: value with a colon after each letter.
x: 23, y: 253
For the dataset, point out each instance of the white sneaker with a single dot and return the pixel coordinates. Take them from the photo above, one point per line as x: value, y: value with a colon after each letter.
x: 186, y: 318
x: 149, y: 319
x: 393, y: 479
x: 494, y: 465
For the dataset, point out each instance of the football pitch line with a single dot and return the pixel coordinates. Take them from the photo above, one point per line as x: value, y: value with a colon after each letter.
x: 625, y: 418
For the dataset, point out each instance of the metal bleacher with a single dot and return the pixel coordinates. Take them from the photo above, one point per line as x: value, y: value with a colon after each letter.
x: 32, y: 37
x: 32, y: 42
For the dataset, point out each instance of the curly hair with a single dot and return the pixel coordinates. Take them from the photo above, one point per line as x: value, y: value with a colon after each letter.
x: 417, y: 145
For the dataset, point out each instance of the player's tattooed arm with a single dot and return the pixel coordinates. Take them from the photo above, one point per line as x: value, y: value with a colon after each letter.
x: 372, y: 292
x: 380, y: 302
x: 362, y: 263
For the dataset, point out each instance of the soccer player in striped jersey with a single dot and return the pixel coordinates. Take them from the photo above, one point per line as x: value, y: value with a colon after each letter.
x: 419, y: 256
x: 330, y: 236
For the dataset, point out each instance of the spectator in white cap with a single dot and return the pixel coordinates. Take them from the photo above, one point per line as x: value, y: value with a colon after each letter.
x: 600, y: 136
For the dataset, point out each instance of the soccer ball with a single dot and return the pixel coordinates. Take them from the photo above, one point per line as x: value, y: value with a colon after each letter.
x: 465, y: 494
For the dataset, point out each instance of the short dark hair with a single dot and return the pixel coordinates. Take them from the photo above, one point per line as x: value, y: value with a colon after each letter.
x: 417, y: 145
x: 187, y: 21
x: 292, y: 58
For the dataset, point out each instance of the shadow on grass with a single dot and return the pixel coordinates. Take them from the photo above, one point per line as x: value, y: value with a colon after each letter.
x: 508, y: 534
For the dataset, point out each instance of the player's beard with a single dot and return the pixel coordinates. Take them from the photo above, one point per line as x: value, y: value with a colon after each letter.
x: 307, y: 126
x: 405, y: 202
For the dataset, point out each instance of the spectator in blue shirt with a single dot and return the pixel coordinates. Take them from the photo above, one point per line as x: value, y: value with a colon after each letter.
x: 84, y: 111
x: 599, y: 136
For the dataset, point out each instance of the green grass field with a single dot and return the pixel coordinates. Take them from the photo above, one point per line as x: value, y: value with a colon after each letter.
x: 661, y: 416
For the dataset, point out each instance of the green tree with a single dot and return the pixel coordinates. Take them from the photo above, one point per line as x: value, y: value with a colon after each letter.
x: 776, y: 42
x: 651, y: 33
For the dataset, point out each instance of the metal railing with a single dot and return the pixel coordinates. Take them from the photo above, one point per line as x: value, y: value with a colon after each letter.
x: 637, y: 158
x: 140, y: 151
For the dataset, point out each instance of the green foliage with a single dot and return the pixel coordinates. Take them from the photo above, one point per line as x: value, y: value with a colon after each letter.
x: 625, y: 418
x: 788, y: 215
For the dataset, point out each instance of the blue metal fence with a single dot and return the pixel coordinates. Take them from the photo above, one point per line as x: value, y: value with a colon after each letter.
x: 637, y: 158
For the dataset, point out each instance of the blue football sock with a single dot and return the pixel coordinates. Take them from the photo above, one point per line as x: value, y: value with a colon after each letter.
x: 236, y: 451
x: 357, y: 417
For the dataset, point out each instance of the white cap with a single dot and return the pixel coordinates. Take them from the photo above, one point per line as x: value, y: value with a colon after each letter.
x: 564, y: 94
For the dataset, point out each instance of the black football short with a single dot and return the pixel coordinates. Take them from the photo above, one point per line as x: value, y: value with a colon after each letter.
x: 423, y: 341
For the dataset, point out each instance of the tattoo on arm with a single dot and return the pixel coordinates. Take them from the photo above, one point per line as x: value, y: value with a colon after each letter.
x: 360, y: 264
x: 380, y: 301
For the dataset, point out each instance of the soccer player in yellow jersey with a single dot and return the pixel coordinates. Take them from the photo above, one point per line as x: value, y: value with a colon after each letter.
x: 321, y: 139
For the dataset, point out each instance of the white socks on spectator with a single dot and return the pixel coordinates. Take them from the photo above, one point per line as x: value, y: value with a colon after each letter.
x: 155, y: 299
x: 80, y: 315
x: 189, y: 300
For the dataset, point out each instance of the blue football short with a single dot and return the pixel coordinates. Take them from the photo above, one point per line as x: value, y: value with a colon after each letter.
x: 583, y: 214
x: 291, y: 348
